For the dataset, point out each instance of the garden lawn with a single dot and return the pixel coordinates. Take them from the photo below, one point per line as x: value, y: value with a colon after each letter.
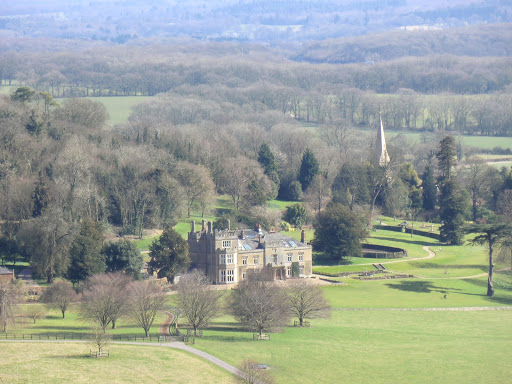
x: 71, y: 363
x: 450, y: 261
x: 379, y: 347
x: 418, y: 293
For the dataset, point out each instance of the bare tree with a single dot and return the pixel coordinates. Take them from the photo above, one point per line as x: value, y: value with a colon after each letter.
x: 105, y: 299
x: 35, y: 312
x: 59, y: 295
x: 48, y: 239
x: 254, y: 373
x: 100, y: 339
x: 307, y: 300
x: 198, y: 299
x: 147, y: 298
x: 259, y: 303
x: 11, y: 294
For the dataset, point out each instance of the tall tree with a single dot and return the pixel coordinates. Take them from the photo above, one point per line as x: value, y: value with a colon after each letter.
x: 169, y: 254
x: 446, y: 156
x: 339, y: 232
x: 452, y: 204
x: 85, y: 254
x: 197, y: 299
x: 268, y: 161
x: 146, y: 299
x: 123, y: 256
x: 307, y: 300
x: 40, y: 196
x: 259, y: 303
x: 492, y: 235
x: 451, y: 200
x: 429, y: 189
x: 350, y: 186
x: 48, y: 239
x: 309, y: 168
x: 11, y: 293
x: 105, y: 298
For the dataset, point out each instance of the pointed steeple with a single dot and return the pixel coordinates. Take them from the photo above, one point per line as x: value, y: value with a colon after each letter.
x: 382, y: 153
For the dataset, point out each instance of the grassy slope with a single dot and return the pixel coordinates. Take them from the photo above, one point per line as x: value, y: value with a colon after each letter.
x: 70, y: 363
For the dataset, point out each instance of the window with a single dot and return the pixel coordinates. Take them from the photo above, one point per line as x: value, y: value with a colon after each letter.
x: 230, y: 275
x: 222, y: 276
x: 301, y: 256
x: 226, y: 243
x: 289, y: 257
x: 244, y: 275
x: 244, y: 260
x: 256, y: 260
x: 230, y: 259
x: 274, y: 259
x: 222, y: 259
x: 288, y: 271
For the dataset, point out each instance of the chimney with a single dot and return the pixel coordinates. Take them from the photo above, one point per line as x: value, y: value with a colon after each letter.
x: 257, y: 228
x: 192, y: 226
x: 204, y: 225
x: 229, y: 224
x: 303, y: 236
x: 209, y: 227
x: 242, y: 234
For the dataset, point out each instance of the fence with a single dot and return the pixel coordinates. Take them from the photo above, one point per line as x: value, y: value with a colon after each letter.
x: 82, y: 336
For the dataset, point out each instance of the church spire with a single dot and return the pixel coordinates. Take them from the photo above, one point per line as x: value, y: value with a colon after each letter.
x: 382, y: 153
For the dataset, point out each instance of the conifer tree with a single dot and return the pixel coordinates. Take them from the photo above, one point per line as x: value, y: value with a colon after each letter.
x: 309, y: 168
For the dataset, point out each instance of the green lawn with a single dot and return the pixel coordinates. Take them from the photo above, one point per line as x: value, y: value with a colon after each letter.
x: 71, y: 363
x: 120, y: 107
x: 378, y: 347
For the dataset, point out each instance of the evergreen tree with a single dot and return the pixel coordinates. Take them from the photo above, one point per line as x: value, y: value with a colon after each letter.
x: 309, y: 168
x: 453, y: 204
x: 296, y: 215
x: 123, y: 256
x: 451, y: 200
x: 40, y: 197
x: 169, y: 254
x: 33, y: 126
x: 446, y: 156
x: 268, y: 161
x: 339, y: 232
x: 429, y: 189
x: 85, y: 253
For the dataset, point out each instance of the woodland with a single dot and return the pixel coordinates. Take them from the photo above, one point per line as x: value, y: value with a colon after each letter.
x: 243, y: 120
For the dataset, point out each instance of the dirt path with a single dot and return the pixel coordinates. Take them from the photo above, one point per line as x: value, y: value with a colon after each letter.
x: 164, y: 328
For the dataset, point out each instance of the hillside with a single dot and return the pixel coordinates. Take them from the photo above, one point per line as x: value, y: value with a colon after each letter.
x: 477, y: 41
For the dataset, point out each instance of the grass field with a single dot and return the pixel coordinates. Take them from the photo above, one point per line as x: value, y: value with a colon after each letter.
x: 53, y: 324
x: 379, y: 347
x: 119, y: 107
x: 70, y: 363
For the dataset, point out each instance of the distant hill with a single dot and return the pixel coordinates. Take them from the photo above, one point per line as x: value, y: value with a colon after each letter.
x: 477, y: 41
x: 237, y: 20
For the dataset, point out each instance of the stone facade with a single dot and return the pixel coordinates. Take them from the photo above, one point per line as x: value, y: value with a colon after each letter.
x: 6, y: 276
x: 228, y: 256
